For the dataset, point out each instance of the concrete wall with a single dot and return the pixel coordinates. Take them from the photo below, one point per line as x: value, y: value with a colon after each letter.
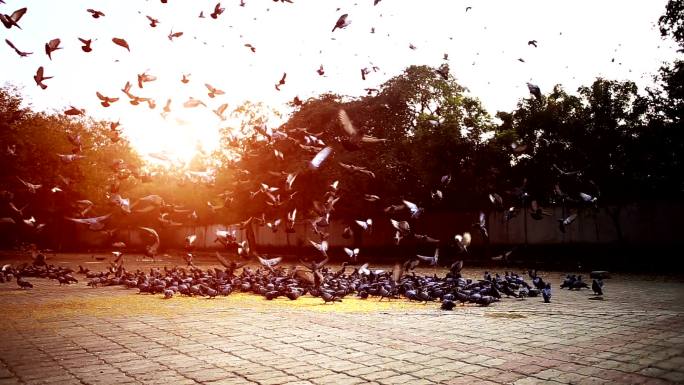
x: 641, y: 224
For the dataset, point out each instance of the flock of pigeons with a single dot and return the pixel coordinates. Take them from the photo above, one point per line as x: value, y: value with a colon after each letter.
x: 13, y: 19
x: 271, y: 279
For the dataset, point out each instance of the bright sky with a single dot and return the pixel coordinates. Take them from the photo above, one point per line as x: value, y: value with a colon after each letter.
x: 576, y: 42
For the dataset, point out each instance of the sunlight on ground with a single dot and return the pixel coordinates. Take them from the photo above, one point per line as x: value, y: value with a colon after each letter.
x: 144, y: 304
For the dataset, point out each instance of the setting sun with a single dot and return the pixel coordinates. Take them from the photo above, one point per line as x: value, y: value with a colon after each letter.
x: 178, y: 136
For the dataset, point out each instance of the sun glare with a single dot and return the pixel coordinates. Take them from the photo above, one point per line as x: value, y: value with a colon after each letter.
x: 176, y: 138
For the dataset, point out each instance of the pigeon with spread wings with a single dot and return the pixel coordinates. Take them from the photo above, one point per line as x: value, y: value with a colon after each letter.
x: 39, y: 77
x: 342, y: 22
x: 10, y: 21
x: 355, y: 137
x: 19, y: 52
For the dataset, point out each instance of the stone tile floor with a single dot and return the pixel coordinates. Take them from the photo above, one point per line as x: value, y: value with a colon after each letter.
x: 79, y: 335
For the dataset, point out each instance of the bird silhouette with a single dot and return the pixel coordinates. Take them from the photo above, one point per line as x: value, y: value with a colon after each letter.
x: 86, y: 44
x: 73, y: 111
x: 597, y: 286
x: 173, y: 35
x: 144, y: 78
x: 121, y: 42
x: 564, y: 222
x: 342, y: 22
x: 534, y: 90
x: 52, y: 46
x: 431, y: 261
x: 12, y: 20
x: 39, y: 77
x: 23, y: 284
x: 95, y: 14
x: 217, y: 11
x: 153, y: 21
x: 19, y: 52
x: 281, y: 82
x: 213, y: 91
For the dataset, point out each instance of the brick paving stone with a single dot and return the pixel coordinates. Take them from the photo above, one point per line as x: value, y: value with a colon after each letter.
x: 533, y: 381
x: 105, y: 379
x: 466, y: 380
x: 444, y: 375
x: 277, y: 380
x: 590, y: 371
x: 549, y: 374
x: 205, y: 375
x: 674, y: 376
x: 378, y: 374
x: 337, y: 378
x: 315, y: 373
x: 528, y: 369
x: 154, y: 375
x: 652, y: 372
x: 62, y: 377
x: 231, y: 381
x: 163, y: 377
x: 400, y: 379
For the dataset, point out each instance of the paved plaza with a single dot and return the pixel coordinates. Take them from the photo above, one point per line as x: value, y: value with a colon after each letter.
x: 80, y: 335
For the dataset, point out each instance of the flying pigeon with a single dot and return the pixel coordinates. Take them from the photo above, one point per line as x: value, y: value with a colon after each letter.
x: 86, y: 44
x: 52, y: 46
x: 95, y: 14
x: 10, y: 21
x: 121, y: 42
x: 342, y: 22
x: 20, y: 53
x: 534, y: 90
x: 39, y: 77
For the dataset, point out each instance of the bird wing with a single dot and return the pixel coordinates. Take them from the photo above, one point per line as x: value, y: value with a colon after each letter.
x: 425, y: 258
x: 10, y: 44
x: 467, y: 238
x: 402, y: 226
x: 270, y: 262
x: 320, y: 157
x: 222, y: 260
x: 411, y: 206
x: 397, y: 272
x: 586, y: 197
x: 152, y: 232
x: 346, y: 123
x: 89, y: 221
x: 16, y: 15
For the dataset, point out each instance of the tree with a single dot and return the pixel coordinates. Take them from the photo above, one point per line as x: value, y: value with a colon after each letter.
x: 672, y: 22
